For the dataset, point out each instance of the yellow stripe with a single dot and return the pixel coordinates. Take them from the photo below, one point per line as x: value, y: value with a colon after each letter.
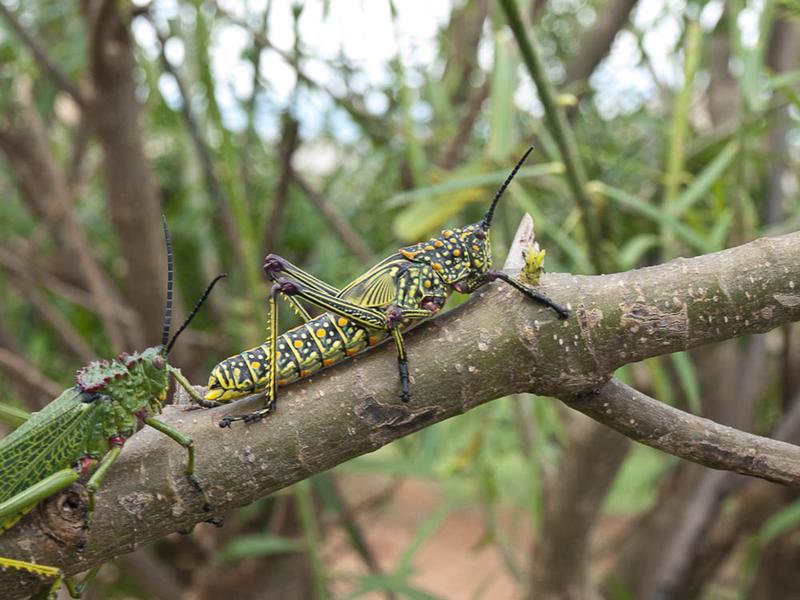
x: 294, y: 351
x: 253, y: 377
x: 339, y: 331
x: 313, y: 335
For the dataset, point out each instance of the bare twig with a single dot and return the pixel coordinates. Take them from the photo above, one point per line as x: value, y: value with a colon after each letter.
x: 458, y: 143
x: 28, y: 376
x: 42, y: 56
x: 133, y: 202
x: 288, y: 145
x: 23, y: 140
x: 693, y: 438
x: 340, y: 226
x: 596, y: 42
x: 30, y: 270
x: 215, y: 189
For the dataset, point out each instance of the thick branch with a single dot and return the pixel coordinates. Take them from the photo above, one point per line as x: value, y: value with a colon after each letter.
x: 493, y: 346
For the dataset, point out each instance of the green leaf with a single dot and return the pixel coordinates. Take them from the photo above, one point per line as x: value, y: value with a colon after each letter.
x: 785, y: 79
x: 719, y: 232
x: 707, y: 177
x: 778, y: 523
x: 546, y: 227
x: 679, y: 128
x: 502, y: 122
x: 369, y: 584
x: 13, y: 416
x: 466, y: 182
x: 424, y: 533
x: 632, y: 251
x: 425, y: 216
x: 657, y: 215
x: 687, y: 376
x: 265, y: 544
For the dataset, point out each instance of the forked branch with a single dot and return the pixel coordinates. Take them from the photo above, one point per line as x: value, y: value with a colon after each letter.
x: 493, y: 346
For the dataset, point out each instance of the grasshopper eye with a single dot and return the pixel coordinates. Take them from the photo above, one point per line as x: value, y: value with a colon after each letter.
x: 159, y: 362
x: 480, y: 234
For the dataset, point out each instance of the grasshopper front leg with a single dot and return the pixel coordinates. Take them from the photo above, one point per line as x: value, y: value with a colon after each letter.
x: 531, y: 293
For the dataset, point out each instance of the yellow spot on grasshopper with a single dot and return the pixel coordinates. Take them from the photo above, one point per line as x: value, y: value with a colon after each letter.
x: 456, y: 252
x: 298, y: 344
x: 342, y: 321
x: 320, y: 332
x: 438, y: 243
x: 437, y: 267
x: 255, y: 365
x: 427, y: 283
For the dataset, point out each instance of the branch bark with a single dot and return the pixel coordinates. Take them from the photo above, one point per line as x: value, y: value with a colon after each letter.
x: 493, y: 346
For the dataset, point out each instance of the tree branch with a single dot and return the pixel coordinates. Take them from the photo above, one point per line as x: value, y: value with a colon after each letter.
x: 687, y: 436
x: 493, y: 346
x: 42, y: 56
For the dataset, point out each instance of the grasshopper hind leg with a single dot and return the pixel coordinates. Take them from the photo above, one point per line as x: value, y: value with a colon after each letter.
x: 271, y: 391
x: 43, y: 571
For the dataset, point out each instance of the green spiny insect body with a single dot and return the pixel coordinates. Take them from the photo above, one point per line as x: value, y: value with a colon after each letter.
x: 83, y: 431
x: 409, y: 286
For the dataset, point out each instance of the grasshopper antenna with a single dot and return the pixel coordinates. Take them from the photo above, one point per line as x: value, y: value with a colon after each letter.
x: 170, y: 279
x: 487, y: 218
x: 197, y: 306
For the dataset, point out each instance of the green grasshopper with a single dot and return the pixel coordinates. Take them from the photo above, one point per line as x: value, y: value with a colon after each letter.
x: 397, y: 293
x: 82, y: 432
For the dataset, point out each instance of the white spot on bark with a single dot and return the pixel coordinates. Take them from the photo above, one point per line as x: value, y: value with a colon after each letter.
x: 787, y: 299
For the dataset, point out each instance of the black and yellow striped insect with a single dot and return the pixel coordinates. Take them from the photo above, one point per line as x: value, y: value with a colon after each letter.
x: 401, y: 290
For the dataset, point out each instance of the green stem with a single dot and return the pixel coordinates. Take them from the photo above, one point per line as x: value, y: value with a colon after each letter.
x: 13, y: 416
x: 678, y: 129
x: 308, y: 522
x: 558, y: 126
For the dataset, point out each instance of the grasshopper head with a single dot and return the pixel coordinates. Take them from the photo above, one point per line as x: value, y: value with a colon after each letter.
x: 463, y: 256
x: 152, y: 366
x: 477, y: 250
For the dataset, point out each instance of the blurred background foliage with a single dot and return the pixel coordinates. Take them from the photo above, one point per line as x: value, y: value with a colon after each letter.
x: 333, y: 133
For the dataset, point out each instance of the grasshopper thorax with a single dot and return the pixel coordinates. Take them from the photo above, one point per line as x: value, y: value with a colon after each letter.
x: 463, y: 256
x: 132, y: 378
x: 459, y: 255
